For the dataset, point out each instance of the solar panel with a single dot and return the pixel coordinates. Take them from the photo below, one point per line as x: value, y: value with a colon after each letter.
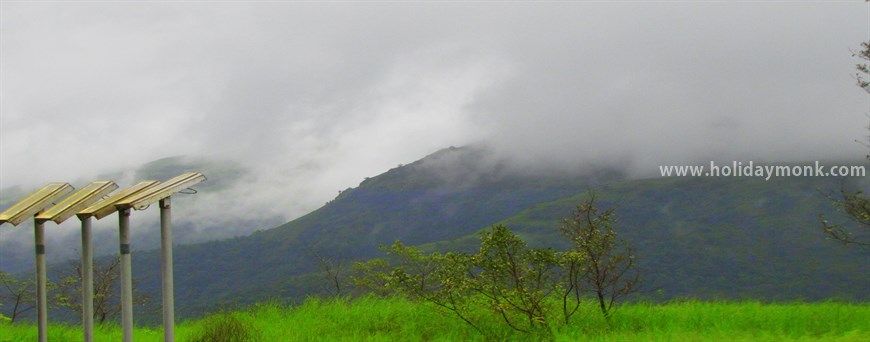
x: 142, y: 200
x: 77, y: 201
x: 106, y: 206
x: 35, y: 202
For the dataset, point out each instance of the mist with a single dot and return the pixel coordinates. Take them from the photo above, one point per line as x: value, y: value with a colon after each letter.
x: 313, y: 98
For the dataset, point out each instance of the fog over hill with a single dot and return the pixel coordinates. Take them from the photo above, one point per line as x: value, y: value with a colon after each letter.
x: 218, y: 210
x: 700, y: 237
x: 312, y: 98
x: 290, y: 106
x: 232, y: 201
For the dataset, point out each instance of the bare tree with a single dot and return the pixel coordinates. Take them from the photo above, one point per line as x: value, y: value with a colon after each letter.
x: 106, y: 297
x: 608, y: 263
x: 333, y: 271
x: 863, y: 69
x: 854, y: 204
x: 18, y: 294
x: 857, y: 207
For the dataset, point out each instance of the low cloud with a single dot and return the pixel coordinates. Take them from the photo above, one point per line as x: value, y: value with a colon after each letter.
x: 312, y: 98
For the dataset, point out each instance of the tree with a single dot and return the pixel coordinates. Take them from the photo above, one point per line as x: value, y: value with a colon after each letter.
x: 505, y: 278
x: 515, y: 279
x: 863, y: 69
x: 509, y: 281
x: 608, y: 263
x: 106, y: 297
x: 440, y: 279
x: 573, y: 266
x: 18, y: 294
x: 854, y: 204
x: 333, y: 271
x: 857, y: 207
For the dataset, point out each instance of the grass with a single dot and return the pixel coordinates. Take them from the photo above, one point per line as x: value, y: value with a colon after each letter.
x: 376, y: 319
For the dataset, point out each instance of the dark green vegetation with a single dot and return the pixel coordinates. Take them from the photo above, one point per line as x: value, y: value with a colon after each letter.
x: 705, y: 238
x: 508, y: 281
x: 717, y: 238
x: 708, y: 238
x: 393, y: 319
x: 856, y: 205
x: 449, y: 194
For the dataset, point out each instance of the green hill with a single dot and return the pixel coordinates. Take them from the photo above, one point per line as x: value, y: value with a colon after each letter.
x: 695, y: 237
x: 446, y: 195
x: 717, y: 237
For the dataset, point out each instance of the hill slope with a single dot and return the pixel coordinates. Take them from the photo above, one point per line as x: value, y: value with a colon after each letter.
x: 446, y: 195
x: 717, y: 237
x: 700, y: 237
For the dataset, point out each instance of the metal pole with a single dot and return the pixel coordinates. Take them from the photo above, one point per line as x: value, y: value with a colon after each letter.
x: 126, y: 275
x: 87, y: 280
x: 42, y: 303
x: 166, y: 270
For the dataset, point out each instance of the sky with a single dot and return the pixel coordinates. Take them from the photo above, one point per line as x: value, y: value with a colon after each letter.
x: 315, y: 97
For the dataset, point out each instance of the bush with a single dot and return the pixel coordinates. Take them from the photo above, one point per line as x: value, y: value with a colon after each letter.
x: 224, y: 327
x: 505, y: 278
x: 511, y: 281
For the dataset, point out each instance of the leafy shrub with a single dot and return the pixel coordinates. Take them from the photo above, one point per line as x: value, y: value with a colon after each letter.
x: 510, y: 281
x: 224, y: 327
x: 505, y: 278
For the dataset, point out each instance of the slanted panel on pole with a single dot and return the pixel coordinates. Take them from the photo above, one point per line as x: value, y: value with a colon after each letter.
x: 34, y: 203
x: 141, y: 201
x: 87, y: 280
x: 126, y: 275
x: 166, y: 270
x: 41, y: 280
x: 79, y: 200
x: 30, y: 206
x: 65, y: 209
x: 165, y: 189
x: 106, y: 206
x: 102, y: 209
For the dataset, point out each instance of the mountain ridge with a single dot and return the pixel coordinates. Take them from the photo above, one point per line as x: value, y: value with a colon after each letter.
x: 444, y: 199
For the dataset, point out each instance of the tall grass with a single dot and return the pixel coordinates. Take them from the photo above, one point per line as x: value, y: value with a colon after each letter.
x: 377, y: 319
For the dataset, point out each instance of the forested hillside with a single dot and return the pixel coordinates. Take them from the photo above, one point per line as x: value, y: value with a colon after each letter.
x: 717, y: 238
x: 694, y: 237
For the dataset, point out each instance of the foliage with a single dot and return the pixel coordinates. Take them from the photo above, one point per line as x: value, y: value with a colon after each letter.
x: 511, y: 281
x: 333, y: 271
x: 106, y: 295
x: 440, y: 279
x: 19, y: 295
x: 505, y: 277
x: 224, y: 327
x: 857, y: 208
x: 598, y: 259
x: 863, y: 70
x: 515, y: 279
x: 699, y: 238
x: 855, y: 204
x: 711, y: 238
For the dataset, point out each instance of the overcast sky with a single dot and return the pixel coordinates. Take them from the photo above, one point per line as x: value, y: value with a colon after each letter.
x: 319, y: 96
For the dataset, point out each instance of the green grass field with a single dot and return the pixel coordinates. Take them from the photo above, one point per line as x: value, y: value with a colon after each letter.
x: 396, y: 319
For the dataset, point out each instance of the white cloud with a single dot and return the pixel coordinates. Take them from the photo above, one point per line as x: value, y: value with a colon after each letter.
x: 315, y: 97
